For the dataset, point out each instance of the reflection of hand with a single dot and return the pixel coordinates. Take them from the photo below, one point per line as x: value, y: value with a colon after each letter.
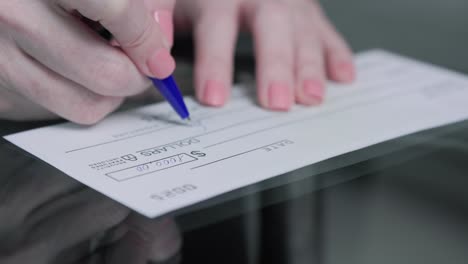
x: 47, y: 217
x: 51, y: 63
x: 146, y: 240
x: 296, y: 49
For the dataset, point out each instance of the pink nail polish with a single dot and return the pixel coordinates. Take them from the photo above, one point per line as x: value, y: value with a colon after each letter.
x: 165, y: 20
x: 214, y: 93
x: 161, y: 64
x: 314, y: 90
x: 279, y: 97
x: 345, y: 72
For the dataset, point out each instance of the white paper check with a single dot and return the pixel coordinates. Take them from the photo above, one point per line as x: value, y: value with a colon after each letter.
x: 151, y: 162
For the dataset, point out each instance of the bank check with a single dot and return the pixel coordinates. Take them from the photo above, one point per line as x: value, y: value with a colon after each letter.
x: 150, y: 161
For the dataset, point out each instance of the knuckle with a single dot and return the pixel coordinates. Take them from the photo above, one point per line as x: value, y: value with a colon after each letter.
x: 9, y: 23
x: 115, y: 9
x: 310, y: 66
x: 272, y: 9
x: 141, y: 38
x: 92, y: 110
x: 309, y: 57
x: 6, y: 10
x: 34, y: 89
x: 211, y: 10
x: 220, y: 10
x: 216, y: 62
x: 274, y: 58
x: 16, y: 17
x: 311, y: 72
x: 111, y: 78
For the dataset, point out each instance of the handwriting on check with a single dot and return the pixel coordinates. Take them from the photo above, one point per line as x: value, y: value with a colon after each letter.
x: 151, y: 167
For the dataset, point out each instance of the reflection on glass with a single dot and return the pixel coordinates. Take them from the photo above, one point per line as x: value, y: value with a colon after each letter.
x: 47, y: 217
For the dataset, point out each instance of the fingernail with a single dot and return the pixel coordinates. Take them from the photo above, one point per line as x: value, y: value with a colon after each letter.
x: 161, y: 64
x: 314, y: 90
x: 279, y: 97
x: 214, y: 93
x: 346, y: 72
x: 164, y: 18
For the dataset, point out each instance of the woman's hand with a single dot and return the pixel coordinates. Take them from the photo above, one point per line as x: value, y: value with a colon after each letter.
x: 296, y: 49
x: 51, y: 63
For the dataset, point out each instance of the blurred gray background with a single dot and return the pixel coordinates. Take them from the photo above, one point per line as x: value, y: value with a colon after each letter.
x: 433, y: 30
x: 395, y: 221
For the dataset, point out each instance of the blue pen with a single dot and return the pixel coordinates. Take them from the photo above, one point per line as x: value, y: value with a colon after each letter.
x: 168, y: 88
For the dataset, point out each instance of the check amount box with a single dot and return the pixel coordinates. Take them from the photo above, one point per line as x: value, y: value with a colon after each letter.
x: 151, y: 167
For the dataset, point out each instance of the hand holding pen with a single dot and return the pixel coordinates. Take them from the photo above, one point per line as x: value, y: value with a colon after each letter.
x: 53, y: 65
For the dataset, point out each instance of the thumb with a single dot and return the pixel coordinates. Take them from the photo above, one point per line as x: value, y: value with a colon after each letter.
x: 135, y: 28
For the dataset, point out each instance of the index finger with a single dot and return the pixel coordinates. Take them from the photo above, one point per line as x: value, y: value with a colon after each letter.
x: 134, y: 27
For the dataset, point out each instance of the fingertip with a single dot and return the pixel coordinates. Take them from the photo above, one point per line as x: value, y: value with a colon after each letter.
x: 343, y: 71
x: 279, y: 97
x: 161, y: 64
x: 313, y: 91
x: 214, y: 93
x: 339, y: 57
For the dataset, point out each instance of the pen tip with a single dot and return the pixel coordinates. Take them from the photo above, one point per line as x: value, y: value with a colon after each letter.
x: 188, y: 121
